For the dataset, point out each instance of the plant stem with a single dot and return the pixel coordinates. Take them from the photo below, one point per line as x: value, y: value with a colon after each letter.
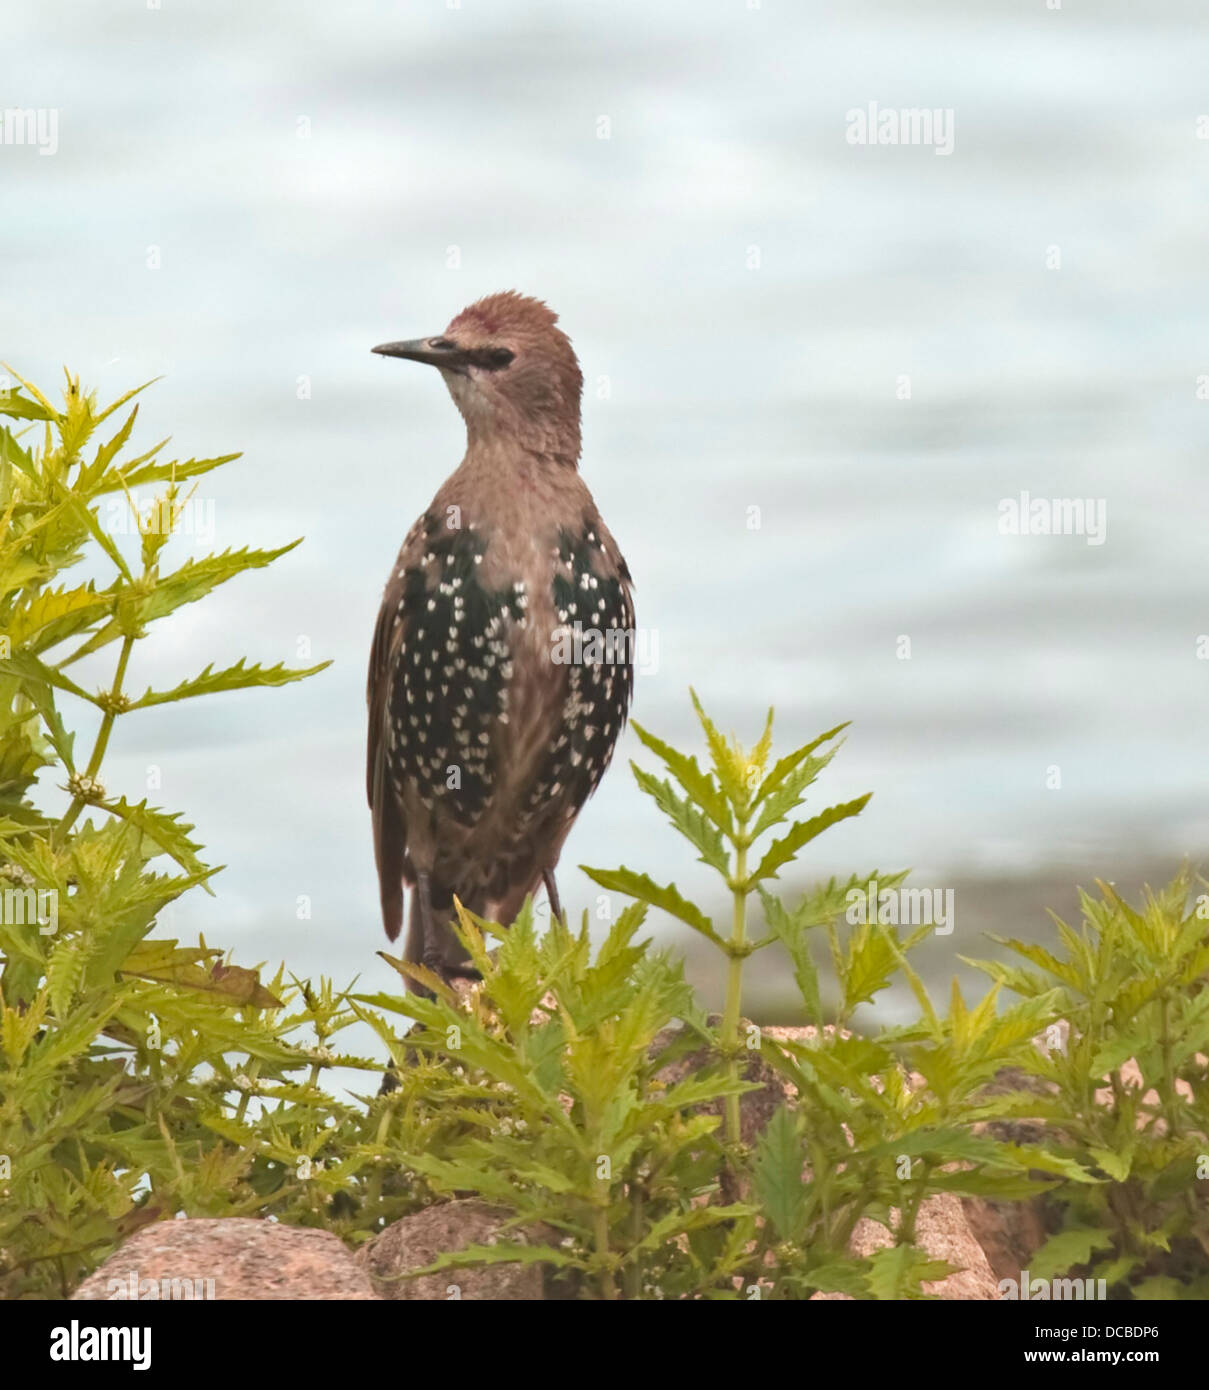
x: 632, y: 1278
x: 910, y: 1208
x: 1170, y: 1101
x: 102, y: 743
x: 734, y: 979
x: 607, y: 1287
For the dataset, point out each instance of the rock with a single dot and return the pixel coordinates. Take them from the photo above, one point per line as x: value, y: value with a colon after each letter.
x: 756, y: 1108
x: 1010, y: 1233
x: 416, y: 1240
x: 943, y: 1231
x: 231, y: 1258
x: 941, y: 1227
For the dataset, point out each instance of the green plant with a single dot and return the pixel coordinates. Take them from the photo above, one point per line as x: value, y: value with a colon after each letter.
x: 104, y: 1033
x: 1124, y: 1089
x: 565, y: 1063
x: 723, y: 812
x: 558, y: 1066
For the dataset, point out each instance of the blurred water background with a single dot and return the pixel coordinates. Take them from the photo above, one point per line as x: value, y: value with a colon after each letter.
x: 747, y: 291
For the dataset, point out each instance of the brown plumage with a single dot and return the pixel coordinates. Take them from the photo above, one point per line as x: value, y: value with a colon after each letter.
x: 501, y: 670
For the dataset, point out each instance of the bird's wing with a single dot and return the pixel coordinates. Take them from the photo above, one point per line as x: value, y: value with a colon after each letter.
x: 390, y: 827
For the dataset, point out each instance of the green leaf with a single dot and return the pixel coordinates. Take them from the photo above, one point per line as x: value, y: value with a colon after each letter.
x: 787, y: 764
x: 700, y: 832
x: 197, y: 578
x: 29, y: 669
x: 1066, y: 1250
x: 639, y: 886
x: 13, y: 404
x: 793, y: 937
x: 676, y: 1224
x: 87, y: 517
x: 898, y: 1271
x: 790, y: 794
x: 122, y: 399
x: 237, y: 677
x: 168, y: 831
x: 729, y: 764
x: 55, y: 614
x: 780, y: 852
x: 140, y: 472
x: 105, y: 454
x: 699, y: 785
x: 1117, y: 1165
x: 1159, y: 1288
x: 777, y: 1175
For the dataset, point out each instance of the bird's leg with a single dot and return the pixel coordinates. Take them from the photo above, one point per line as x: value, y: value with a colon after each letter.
x: 431, y: 954
x: 438, y: 938
x: 556, y: 907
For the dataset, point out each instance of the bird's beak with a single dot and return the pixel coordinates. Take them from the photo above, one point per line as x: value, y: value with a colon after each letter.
x: 434, y: 351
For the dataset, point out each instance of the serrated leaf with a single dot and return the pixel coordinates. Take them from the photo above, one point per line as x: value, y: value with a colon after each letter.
x: 169, y: 831
x: 29, y: 668
x: 123, y: 398
x: 678, y: 1223
x: 784, y: 766
x: 65, y: 971
x: 1066, y: 1250
x: 777, y: 1175
x: 237, y: 677
x: 700, y: 787
x: 780, y: 852
x: 139, y: 472
x: 90, y: 474
x: 13, y: 404
x: 897, y: 1271
x: 231, y: 983
x: 55, y: 614
x: 793, y: 937
x: 645, y: 889
x: 195, y: 579
x: 696, y: 828
x: 1116, y: 1165
x: 729, y: 764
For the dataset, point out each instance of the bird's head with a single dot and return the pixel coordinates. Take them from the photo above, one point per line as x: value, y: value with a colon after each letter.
x: 511, y: 372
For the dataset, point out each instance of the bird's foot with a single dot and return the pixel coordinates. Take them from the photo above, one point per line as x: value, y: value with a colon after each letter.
x: 556, y: 907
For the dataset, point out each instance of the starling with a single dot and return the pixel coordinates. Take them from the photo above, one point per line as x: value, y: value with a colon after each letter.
x: 502, y: 662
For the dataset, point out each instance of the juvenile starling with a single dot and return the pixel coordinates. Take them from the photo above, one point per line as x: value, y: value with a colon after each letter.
x: 502, y: 662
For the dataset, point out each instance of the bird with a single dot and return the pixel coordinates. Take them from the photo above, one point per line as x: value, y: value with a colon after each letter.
x: 502, y: 665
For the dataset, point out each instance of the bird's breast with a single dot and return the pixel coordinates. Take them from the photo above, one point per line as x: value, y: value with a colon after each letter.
x: 513, y: 673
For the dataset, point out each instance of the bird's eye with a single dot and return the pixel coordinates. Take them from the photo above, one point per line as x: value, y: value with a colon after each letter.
x: 441, y: 343
x: 493, y: 359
